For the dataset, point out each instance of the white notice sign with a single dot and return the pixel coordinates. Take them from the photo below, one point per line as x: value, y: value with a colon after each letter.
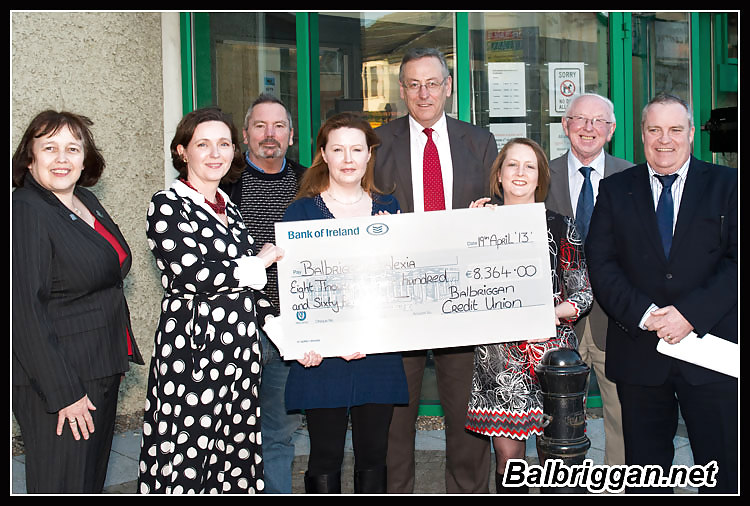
x: 414, y: 281
x: 565, y: 81
x: 507, y: 89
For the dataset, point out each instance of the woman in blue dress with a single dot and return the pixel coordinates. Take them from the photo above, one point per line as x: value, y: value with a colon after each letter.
x: 339, y: 184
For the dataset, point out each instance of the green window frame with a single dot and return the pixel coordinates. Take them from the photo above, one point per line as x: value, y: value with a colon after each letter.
x: 197, y: 92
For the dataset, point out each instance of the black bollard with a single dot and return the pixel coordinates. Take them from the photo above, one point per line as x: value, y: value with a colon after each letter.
x: 563, y: 377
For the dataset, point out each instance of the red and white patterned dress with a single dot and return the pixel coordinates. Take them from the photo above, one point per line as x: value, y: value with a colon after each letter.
x: 505, y: 396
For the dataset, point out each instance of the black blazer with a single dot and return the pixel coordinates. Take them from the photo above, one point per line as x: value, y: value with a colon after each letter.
x: 629, y: 271
x: 69, y: 311
x: 473, y: 151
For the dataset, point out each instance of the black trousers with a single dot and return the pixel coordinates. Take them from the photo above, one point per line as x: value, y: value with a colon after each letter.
x: 60, y: 464
x: 710, y: 411
x: 327, y: 428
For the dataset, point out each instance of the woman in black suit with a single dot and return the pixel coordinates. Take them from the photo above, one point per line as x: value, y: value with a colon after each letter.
x: 72, y: 338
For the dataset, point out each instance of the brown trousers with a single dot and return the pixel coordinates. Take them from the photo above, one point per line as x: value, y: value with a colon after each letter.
x: 467, y: 455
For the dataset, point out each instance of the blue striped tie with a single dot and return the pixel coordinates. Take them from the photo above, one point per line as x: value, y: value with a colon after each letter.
x: 585, y: 204
x: 665, y: 211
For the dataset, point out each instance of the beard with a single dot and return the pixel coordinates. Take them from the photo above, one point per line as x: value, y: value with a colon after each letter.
x: 268, y: 148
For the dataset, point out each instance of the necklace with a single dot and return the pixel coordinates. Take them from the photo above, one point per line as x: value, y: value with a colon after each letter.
x: 219, y: 207
x: 361, y: 195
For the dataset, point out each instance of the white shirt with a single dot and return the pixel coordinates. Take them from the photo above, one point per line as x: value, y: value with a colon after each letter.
x: 677, y: 187
x: 418, y: 140
x: 656, y: 189
x: 576, y: 179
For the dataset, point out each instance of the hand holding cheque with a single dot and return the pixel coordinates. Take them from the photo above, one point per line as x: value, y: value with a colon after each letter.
x: 413, y: 281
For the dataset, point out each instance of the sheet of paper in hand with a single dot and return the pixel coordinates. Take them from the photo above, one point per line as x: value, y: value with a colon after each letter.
x: 414, y: 281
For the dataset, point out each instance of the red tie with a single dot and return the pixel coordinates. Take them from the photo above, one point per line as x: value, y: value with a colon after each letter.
x: 434, y: 199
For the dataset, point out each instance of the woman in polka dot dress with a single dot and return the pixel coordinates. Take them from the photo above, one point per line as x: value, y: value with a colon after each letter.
x: 201, y: 431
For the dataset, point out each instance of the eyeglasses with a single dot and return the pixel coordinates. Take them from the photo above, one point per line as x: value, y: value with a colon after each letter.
x: 597, y: 123
x: 416, y: 86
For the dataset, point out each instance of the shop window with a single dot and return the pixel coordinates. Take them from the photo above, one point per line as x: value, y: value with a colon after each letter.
x: 252, y: 53
x: 525, y: 67
x: 368, y: 47
x: 661, y: 63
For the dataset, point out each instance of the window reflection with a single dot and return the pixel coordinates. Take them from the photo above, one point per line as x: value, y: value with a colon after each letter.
x: 661, y: 62
x: 368, y: 47
x: 253, y: 53
x: 526, y: 65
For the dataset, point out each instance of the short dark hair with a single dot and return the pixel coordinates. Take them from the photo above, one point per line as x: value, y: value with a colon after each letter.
x: 184, y: 134
x: 49, y: 122
x: 267, y: 98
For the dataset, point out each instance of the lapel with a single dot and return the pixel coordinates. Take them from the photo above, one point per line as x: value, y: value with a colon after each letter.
x: 401, y: 167
x: 608, y: 169
x: 93, y: 205
x: 643, y: 200
x: 459, y: 152
x: 560, y: 185
x: 696, y: 184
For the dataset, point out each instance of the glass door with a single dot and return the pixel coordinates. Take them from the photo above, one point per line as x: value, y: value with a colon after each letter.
x: 525, y: 67
x: 360, y: 55
x: 245, y: 54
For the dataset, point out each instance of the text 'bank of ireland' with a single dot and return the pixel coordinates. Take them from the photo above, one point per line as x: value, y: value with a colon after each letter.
x: 414, y: 281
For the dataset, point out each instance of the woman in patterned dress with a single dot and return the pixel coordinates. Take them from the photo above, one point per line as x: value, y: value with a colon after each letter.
x: 201, y: 431
x: 506, y: 401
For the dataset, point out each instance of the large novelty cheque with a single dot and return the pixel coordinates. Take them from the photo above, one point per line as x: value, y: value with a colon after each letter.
x: 414, y: 281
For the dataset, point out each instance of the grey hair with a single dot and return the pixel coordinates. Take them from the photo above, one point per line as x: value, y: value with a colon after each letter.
x: 667, y: 98
x: 417, y: 53
x: 267, y: 98
x: 607, y: 102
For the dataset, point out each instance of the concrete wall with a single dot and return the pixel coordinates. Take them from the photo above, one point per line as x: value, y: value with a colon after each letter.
x: 107, y: 66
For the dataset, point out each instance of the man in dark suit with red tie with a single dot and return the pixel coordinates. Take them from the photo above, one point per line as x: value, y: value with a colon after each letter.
x: 662, y: 256
x: 432, y: 162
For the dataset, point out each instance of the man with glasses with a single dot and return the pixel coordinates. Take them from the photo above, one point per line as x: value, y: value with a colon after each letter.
x: 589, y: 123
x: 432, y: 162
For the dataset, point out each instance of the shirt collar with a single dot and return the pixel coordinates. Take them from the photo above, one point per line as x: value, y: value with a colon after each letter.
x: 597, y: 163
x: 681, y: 172
x: 440, y: 127
x: 251, y: 164
x: 197, y: 197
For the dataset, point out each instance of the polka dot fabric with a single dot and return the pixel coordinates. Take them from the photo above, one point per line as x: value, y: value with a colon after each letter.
x: 434, y: 196
x: 201, y: 431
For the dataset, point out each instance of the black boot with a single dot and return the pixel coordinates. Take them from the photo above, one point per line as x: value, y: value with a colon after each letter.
x: 502, y: 489
x: 323, y: 483
x: 370, y: 481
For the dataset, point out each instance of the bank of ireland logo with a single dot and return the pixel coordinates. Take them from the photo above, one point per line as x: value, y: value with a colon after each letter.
x: 301, y: 315
x: 377, y: 229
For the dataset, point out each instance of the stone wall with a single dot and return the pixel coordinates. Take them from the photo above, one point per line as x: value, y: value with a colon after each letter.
x: 107, y: 66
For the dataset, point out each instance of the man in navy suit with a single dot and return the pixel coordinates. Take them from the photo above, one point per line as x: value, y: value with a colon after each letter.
x: 662, y: 256
x: 465, y: 154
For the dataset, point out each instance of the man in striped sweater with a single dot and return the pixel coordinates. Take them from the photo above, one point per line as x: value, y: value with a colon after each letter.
x: 268, y: 184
